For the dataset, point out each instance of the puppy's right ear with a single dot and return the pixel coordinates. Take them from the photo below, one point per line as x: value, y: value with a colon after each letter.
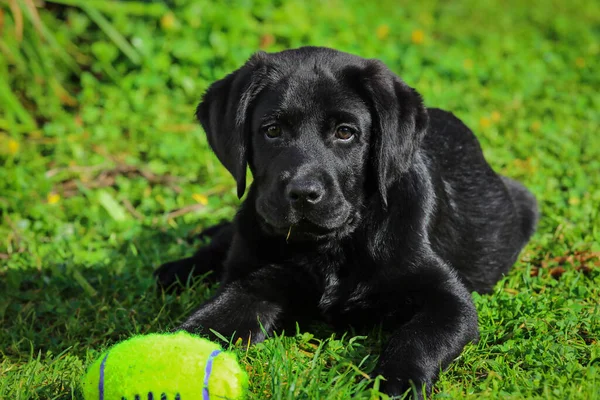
x: 224, y: 112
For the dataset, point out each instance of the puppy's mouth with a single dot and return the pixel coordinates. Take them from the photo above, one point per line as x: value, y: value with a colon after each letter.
x: 333, y: 221
x: 305, y: 230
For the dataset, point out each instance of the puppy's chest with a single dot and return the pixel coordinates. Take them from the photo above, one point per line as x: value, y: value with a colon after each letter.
x: 346, y: 298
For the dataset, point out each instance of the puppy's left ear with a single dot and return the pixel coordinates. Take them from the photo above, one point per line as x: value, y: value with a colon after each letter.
x: 224, y: 111
x: 400, y: 123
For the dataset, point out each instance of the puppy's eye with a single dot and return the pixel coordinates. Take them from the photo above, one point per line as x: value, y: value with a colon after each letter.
x: 344, y: 132
x: 273, y: 131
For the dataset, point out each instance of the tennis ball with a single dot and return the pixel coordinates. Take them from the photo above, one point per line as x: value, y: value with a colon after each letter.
x: 173, y: 366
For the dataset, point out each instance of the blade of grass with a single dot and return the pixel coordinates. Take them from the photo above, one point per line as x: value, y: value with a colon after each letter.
x: 85, y: 285
x: 111, y: 205
x: 49, y: 37
x: 47, y: 69
x: 18, y: 19
x: 112, y: 33
x: 41, y: 70
x: 13, y: 56
x: 12, y: 103
x: 117, y: 7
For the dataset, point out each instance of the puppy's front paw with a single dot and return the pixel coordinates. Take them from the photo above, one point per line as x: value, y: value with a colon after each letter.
x: 172, y: 276
x: 398, y: 388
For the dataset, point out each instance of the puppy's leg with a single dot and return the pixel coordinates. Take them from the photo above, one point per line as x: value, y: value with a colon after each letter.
x: 253, y: 306
x: 207, y: 260
x: 444, y: 322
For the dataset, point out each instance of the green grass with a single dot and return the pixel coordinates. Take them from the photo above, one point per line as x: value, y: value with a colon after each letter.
x: 104, y: 175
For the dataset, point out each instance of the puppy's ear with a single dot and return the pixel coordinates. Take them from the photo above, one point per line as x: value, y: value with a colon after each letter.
x: 224, y: 112
x: 400, y: 122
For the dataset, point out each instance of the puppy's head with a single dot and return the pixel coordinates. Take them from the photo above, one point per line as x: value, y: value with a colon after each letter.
x: 321, y: 131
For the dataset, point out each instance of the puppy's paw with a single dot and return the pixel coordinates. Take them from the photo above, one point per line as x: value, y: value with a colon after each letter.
x: 398, y: 388
x: 173, y: 276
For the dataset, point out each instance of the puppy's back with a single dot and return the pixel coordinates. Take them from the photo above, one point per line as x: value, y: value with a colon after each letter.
x: 482, y: 220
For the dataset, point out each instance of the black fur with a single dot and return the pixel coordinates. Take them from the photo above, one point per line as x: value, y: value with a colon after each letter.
x: 395, y: 225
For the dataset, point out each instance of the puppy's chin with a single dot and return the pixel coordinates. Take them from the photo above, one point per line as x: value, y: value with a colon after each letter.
x: 296, y: 229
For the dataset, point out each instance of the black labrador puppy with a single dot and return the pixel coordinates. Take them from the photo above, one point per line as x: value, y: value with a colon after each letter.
x: 366, y: 208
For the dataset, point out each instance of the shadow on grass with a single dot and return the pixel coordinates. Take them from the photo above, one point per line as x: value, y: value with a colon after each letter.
x: 68, y: 305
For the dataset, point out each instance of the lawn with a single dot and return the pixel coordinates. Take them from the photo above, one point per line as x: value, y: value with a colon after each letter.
x: 104, y: 175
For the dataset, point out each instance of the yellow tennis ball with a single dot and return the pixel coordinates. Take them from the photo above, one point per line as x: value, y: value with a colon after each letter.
x: 173, y: 366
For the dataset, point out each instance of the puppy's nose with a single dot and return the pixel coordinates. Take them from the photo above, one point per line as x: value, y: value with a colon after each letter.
x: 305, y: 192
